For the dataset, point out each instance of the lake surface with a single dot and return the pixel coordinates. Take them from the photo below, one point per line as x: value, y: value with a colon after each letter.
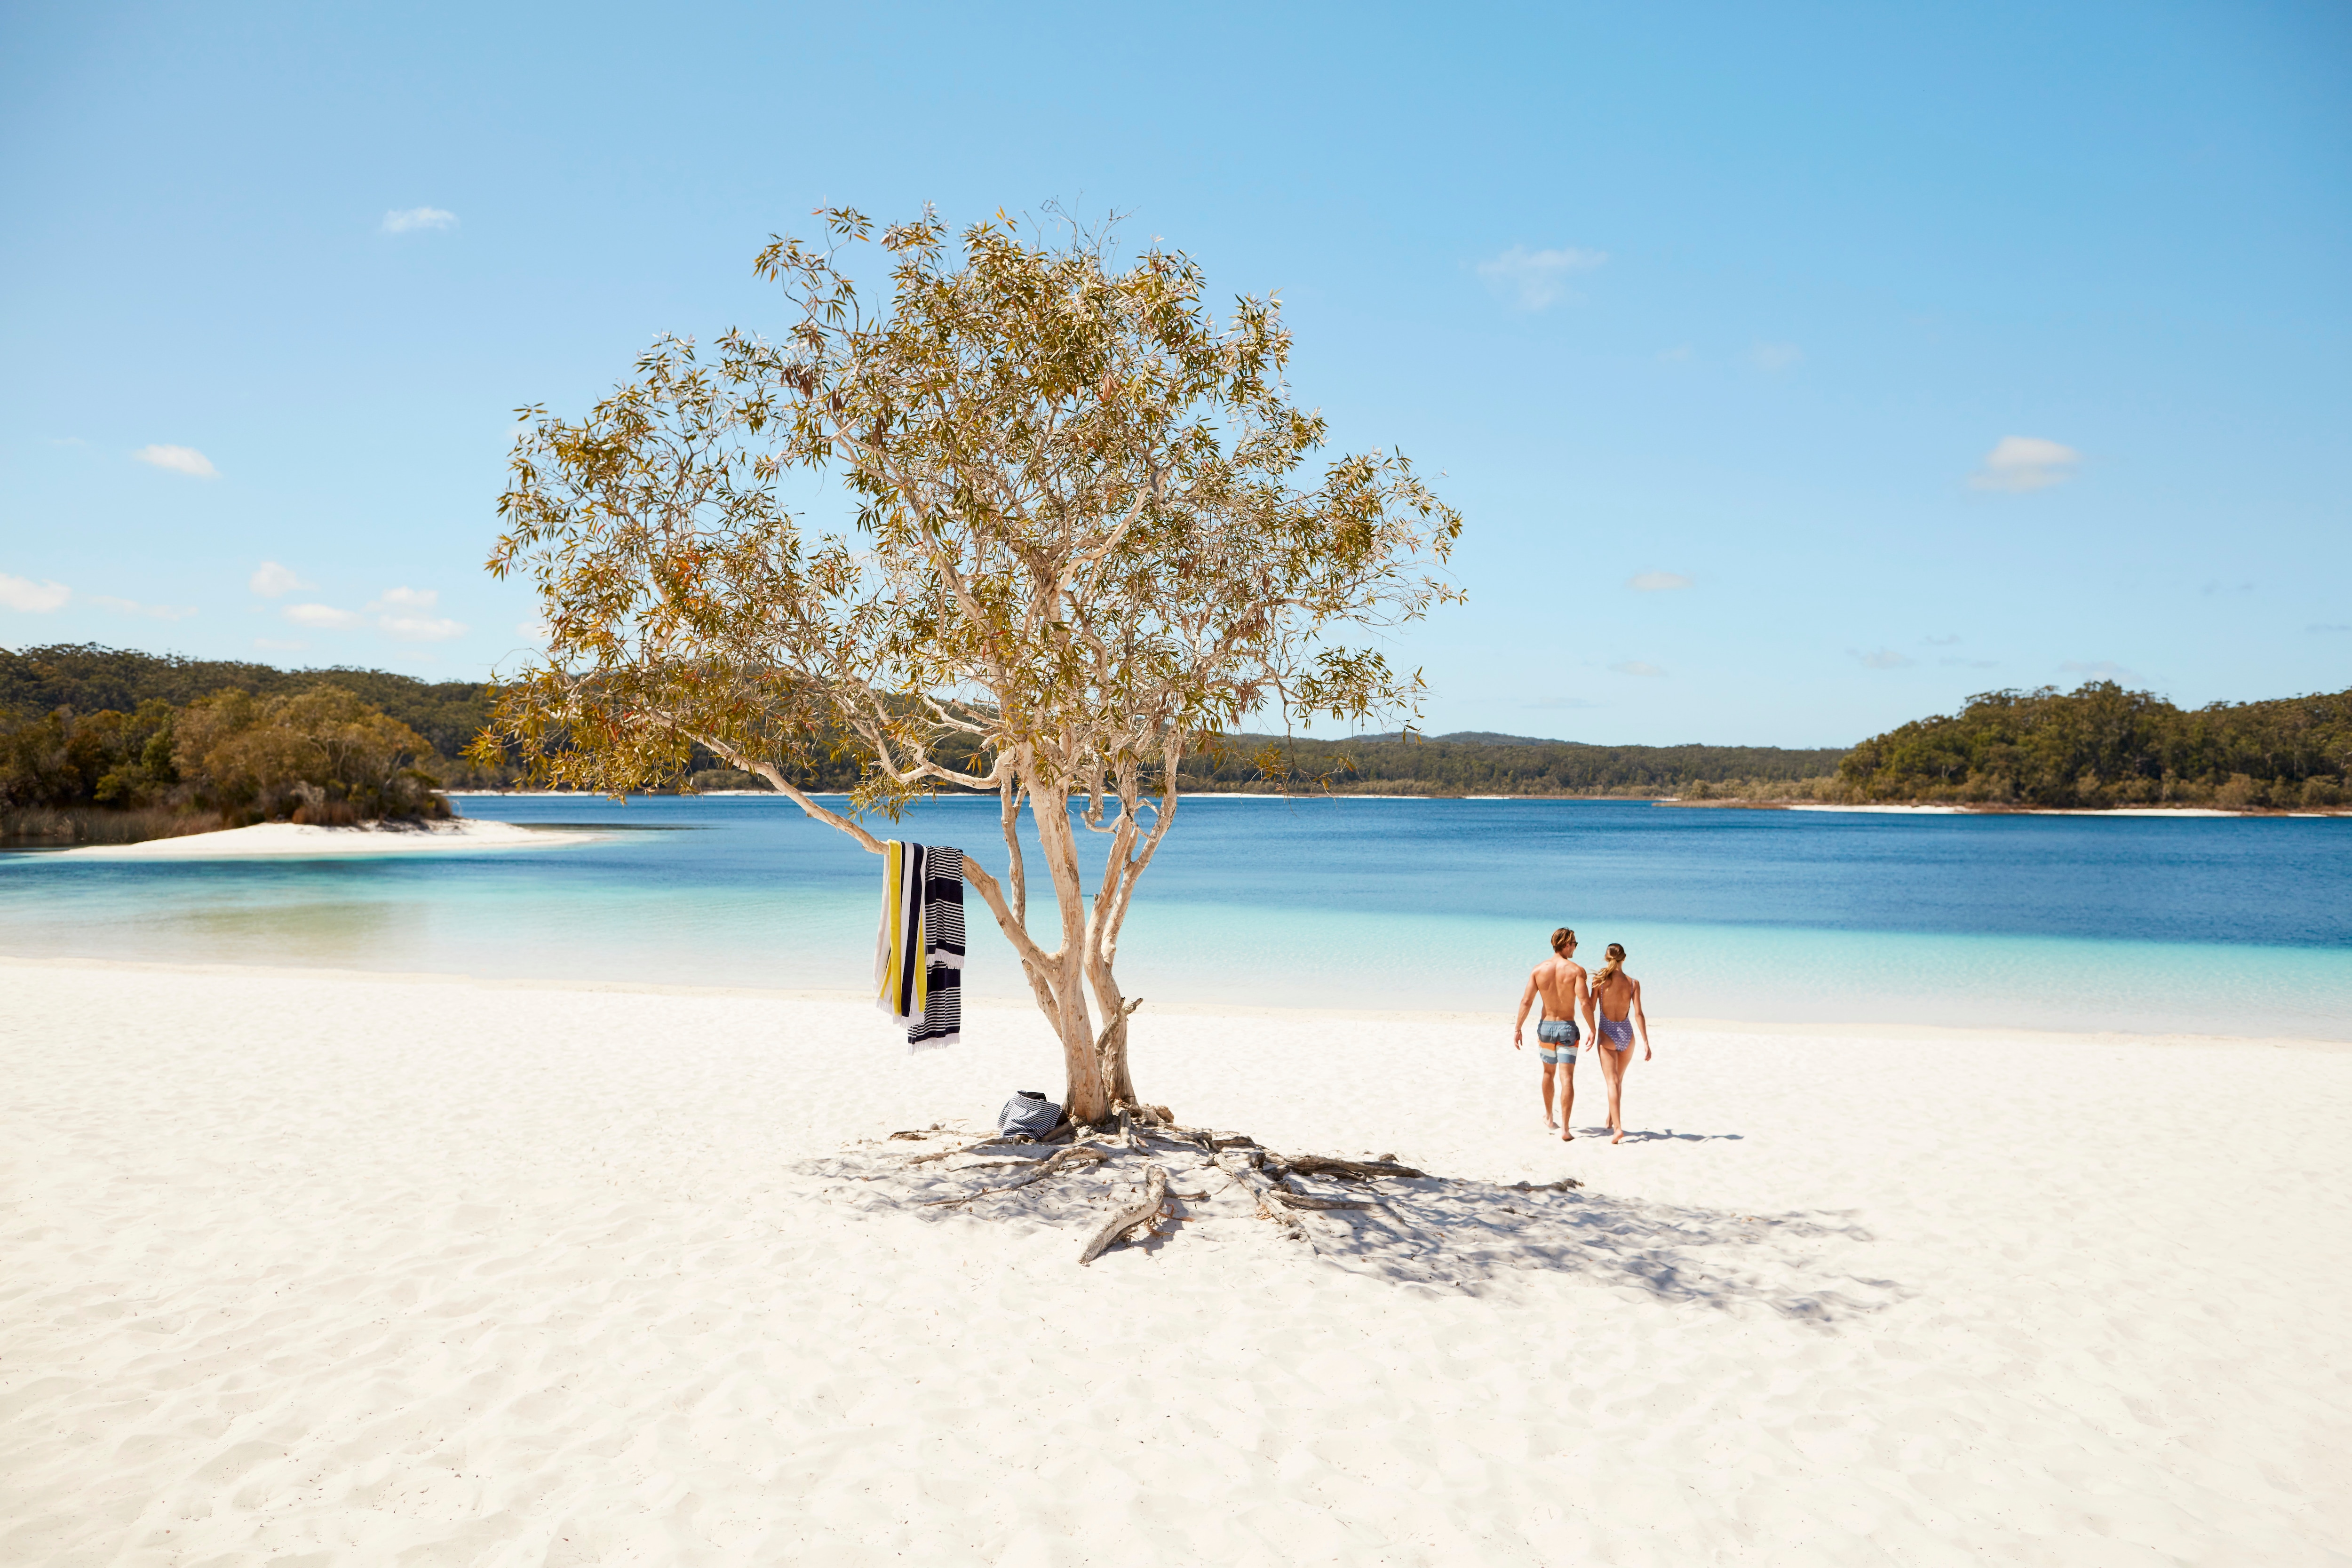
x: 2192, y: 925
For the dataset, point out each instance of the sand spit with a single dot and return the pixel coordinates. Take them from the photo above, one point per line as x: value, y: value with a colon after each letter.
x: 288, y: 839
x: 358, y: 1271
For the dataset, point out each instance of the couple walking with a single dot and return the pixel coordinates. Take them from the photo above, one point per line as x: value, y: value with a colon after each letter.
x: 1567, y: 990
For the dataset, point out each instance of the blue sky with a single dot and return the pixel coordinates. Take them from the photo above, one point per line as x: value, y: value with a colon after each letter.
x: 1799, y: 369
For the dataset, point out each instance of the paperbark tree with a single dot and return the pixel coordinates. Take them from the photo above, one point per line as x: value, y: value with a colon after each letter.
x: 1076, y: 554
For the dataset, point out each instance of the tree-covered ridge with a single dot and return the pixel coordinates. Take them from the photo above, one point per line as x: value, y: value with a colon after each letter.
x: 88, y: 679
x: 1479, y: 763
x: 2101, y: 746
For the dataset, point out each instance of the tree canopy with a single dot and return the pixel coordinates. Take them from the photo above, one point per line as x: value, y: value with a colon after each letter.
x: 1077, y: 547
x: 2101, y: 746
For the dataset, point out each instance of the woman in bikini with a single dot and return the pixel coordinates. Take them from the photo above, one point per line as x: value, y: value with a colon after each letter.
x: 1618, y: 996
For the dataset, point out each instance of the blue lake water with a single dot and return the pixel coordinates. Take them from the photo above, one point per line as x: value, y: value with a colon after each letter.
x: 2195, y: 925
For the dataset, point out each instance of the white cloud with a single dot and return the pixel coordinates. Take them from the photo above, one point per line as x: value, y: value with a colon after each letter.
x: 1879, y: 658
x: 325, y: 618
x: 24, y: 593
x: 178, y: 459
x: 154, y: 612
x: 533, y: 628
x: 2020, y: 463
x: 421, y: 629
x: 1533, y: 279
x: 1775, y: 356
x: 407, y: 219
x: 1637, y: 667
x: 1942, y: 641
x: 1561, y: 702
x: 1971, y: 663
x: 1679, y: 354
x: 270, y: 580
x: 278, y: 645
x: 1657, y: 582
x: 418, y: 599
x: 2328, y: 627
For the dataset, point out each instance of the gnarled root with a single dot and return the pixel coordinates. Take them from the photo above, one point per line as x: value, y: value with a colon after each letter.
x: 1122, y: 1220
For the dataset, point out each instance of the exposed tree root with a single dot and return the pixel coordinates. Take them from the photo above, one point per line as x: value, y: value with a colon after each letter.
x: 1122, y: 1220
x: 1079, y: 1155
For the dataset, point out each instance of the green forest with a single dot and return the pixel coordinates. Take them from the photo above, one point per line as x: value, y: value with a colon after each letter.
x: 2101, y: 746
x: 108, y: 744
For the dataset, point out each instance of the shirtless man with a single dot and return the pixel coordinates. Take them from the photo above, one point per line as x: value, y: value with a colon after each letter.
x: 1560, y: 982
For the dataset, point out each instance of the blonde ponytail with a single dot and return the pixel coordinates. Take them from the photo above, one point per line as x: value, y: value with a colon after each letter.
x: 1614, y: 965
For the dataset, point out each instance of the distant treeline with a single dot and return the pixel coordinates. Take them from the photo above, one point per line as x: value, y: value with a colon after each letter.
x: 320, y: 756
x: 2101, y: 746
x: 1476, y: 762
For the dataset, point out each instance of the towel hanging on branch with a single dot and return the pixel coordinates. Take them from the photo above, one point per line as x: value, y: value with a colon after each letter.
x: 919, y: 952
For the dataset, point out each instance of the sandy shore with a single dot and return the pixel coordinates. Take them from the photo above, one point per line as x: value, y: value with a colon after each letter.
x: 324, y: 1268
x: 300, y: 841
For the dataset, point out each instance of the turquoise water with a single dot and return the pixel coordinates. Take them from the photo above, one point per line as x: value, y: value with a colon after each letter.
x: 2200, y: 925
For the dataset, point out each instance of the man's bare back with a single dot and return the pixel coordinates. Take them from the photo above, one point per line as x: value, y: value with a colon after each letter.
x: 1563, y: 984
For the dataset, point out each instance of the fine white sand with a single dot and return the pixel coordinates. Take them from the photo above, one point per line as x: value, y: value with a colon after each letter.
x: 315, y: 1268
x: 300, y: 839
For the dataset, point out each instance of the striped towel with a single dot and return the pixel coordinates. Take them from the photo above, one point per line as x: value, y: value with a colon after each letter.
x: 919, y: 952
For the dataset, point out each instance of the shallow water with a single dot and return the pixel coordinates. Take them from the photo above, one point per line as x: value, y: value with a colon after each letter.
x: 2195, y: 925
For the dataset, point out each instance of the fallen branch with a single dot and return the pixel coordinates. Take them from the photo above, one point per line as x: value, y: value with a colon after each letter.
x: 1354, y: 1169
x: 1155, y: 1194
x: 1061, y: 1160
x: 1246, y: 1173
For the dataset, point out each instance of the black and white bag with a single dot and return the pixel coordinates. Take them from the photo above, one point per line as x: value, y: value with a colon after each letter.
x: 1028, y: 1112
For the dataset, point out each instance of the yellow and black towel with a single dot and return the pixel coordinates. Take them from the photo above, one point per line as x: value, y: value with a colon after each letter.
x: 919, y: 952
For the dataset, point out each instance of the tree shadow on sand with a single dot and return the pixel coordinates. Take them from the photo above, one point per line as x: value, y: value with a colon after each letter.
x: 1421, y: 1233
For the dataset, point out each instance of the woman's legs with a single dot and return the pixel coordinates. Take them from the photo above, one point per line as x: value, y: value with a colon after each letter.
x: 1622, y: 1060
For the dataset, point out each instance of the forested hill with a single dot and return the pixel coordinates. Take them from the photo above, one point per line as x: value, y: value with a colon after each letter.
x: 1476, y: 762
x: 89, y: 678
x: 2101, y: 746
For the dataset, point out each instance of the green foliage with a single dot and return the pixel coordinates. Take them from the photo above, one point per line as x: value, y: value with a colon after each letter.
x: 1479, y: 763
x: 89, y: 678
x: 319, y: 755
x: 2101, y: 746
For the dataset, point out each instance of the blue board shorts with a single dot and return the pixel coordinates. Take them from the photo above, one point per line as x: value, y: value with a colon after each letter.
x: 1556, y: 1040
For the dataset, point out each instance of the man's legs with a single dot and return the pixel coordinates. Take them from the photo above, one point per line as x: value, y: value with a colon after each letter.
x: 1567, y: 1098
x: 1546, y: 1087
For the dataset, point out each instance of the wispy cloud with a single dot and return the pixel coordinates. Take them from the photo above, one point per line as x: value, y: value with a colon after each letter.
x: 1970, y: 663
x: 2329, y: 627
x: 1640, y: 666
x: 2213, y: 590
x: 1657, y: 582
x: 409, y: 219
x: 2098, y: 670
x: 24, y: 593
x: 407, y: 613
x: 320, y: 618
x: 1679, y: 354
x: 422, y: 628
x: 270, y: 580
x: 178, y: 459
x: 1879, y: 658
x: 280, y: 645
x: 1775, y: 356
x: 1561, y: 702
x: 2020, y: 463
x: 133, y: 607
x: 1941, y: 642
x: 1534, y: 280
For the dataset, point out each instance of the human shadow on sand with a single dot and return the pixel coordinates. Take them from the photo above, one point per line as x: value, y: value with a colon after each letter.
x: 1428, y: 1233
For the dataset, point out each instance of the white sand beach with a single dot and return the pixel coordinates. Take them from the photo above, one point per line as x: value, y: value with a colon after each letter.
x: 322, y: 1268
x: 297, y: 839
